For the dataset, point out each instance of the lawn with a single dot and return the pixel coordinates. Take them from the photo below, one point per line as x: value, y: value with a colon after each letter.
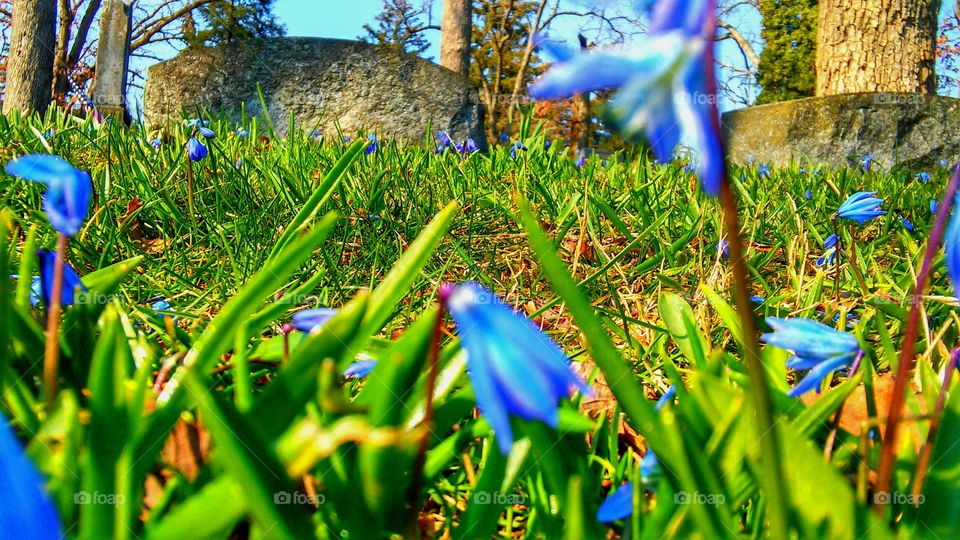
x: 210, y: 416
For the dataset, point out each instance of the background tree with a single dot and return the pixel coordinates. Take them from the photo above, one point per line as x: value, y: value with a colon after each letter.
x: 28, y: 80
x: 235, y: 20
x: 787, y: 68
x: 400, y: 25
x: 876, y: 46
x: 455, y: 35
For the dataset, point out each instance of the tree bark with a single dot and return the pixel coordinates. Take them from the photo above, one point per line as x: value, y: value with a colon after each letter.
x: 60, y: 67
x: 30, y: 68
x: 455, y: 31
x: 876, y: 46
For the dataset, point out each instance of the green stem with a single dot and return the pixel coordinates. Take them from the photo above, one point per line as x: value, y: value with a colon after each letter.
x: 853, y: 264
x: 771, y: 479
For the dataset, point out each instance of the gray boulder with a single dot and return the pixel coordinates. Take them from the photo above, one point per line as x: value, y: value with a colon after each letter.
x: 902, y: 131
x: 322, y: 83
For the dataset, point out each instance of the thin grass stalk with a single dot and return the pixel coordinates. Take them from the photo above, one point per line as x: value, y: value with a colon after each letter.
x: 907, y: 353
x: 51, y: 356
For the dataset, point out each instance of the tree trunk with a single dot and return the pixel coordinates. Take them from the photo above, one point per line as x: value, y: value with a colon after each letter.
x: 876, y: 46
x: 113, y: 58
x: 60, y: 67
x: 455, y: 30
x: 30, y: 65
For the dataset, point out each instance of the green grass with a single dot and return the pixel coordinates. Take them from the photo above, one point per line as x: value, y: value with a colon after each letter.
x: 638, y: 237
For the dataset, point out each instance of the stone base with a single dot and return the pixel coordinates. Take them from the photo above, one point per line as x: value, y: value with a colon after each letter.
x: 903, y: 131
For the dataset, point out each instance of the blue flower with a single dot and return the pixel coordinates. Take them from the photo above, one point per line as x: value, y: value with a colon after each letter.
x: 196, y: 150
x: 933, y: 206
x: 160, y: 305
x: 906, y: 224
x: 373, y: 145
x: 861, y: 207
x: 360, y: 368
x: 723, y: 247
x: 312, y: 319
x: 242, y: 133
x: 443, y: 141
x: 757, y: 299
x: 71, y: 281
x: 815, y: 347
x: 951, y: 250
x: 807, y: 195
x: 922, y: 176
x: 196, y: 122
x: 865, y: 161
x: 504, y: 137
x: 619, y: 505
x: 943, y: 163
x: 827, y: 258
x: 207, y: 133
x: 546, y: 144
x: 667, y: 397
x: 69, y: 190
x: 517, y: 146
x: 665, y: 83
x: 581, y: 160
x: 830, y: 241
x: 470, y: 146
x: 27, y: 511
x: 346, y: 138
x: 514, y: 367
x: 764, y: 171
x: 36, y: 289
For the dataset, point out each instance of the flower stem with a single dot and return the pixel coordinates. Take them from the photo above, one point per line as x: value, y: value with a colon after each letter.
x: 828, y: 446
x: 907, y: 353
x: 771, y: 479
x: 923, y: 463
x: 853, y: 263
x: 433, y: 368
x: 51, y: 356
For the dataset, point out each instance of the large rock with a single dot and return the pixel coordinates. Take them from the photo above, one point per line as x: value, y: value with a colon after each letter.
x: 904, y: 131
x: 323, y: 83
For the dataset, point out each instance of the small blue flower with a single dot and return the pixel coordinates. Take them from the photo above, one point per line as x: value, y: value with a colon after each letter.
x: 650, y: 470
x: 469, y: 146
x: 71, y: 281
x: 514, y: 367
x: 49, y: 134
x: 516, y: 146
x: 764, y: 171
x: 807, y: 195
x: 861, y: 207
x: 443, y: 141
x: 618, y: 505
x: 156, y: 143
x: 581, y: 160
x: 866, y: 161
x: 36, y: 289
x: 757, y: 299
x: 27, y: 511
x: 827, y: 258
x: 160, y: 305
x: 723, y: 247
x: 667, y: 397
x: 922, y: 176
x: 196, y: 122
x: 373, y: 145
x: 943, y: 163
x: 242, y: 133
x: 815, y: 346
x: 196, y: 150
x: 69, y: 190
x: 312, y: 319
x: 830, y: 241
x: 504, y: 137
x: 951, y: 250
x: 207, y: 133
x: 546, y: 144
x: 360, y: 368
x: 665, y: 83
x: 933, y: 206
x: 906, y: 224
x: 346, y: 138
